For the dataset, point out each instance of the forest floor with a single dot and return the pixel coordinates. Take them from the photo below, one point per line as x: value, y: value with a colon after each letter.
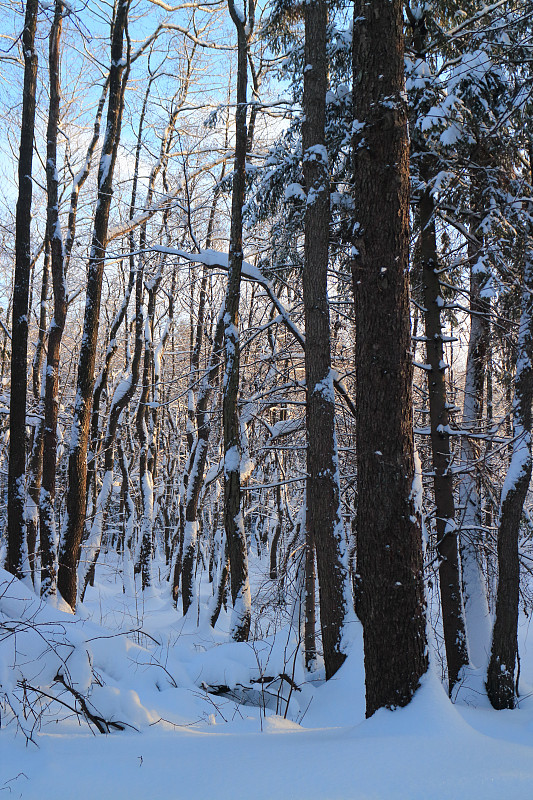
x: 260, y: 739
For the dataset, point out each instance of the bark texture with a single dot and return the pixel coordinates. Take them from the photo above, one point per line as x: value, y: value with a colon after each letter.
x: 77, y: 466
x: 35, y: 463
x: 324, y: 528
x: 447, y: 541
x: 233, y: 520
x: 501, y: 679
x: 48, y: 533
x: 389, y: 551
x: 16, y: 543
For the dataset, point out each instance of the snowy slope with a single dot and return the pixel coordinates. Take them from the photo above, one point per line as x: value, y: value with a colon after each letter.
x: 190, y: 744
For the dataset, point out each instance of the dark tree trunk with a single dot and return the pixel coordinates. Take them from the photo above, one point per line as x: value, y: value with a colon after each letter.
x: 145, y: 475
x: 196, y: 468
x: 120, y: 401
x: 309, y: 606
x: 501, y: 682
x: 233, y: 521
x: 324, y: 528
x: 41, y: 336
x: 100, y: 386
x: 16, y: 542
x: 77, y: 467
x: 389, y: 549
x: 82, y: 176
x: 447, y: 542
x: 220, y: 588
x: 48, y: 533
x: 35, y: 464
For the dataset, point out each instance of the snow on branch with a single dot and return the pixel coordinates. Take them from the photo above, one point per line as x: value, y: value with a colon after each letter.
x: 217, y: 260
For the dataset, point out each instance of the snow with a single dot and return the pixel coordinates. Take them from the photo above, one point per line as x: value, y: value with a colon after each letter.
x: 232, y: 460
x: 325, y: 388
x: 105, y: 165
x: 294, y: 191
x: 316, y: 152
x: 154, y: 670
x: 211, y: 258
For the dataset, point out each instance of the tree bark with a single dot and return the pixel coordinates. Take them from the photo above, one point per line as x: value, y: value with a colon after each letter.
x: 501, y: 683
x: 48, y: 534
x: 77, y: 467
x: 196, y: 467
x: 309, y: 606
x: 470, y: 520
x: 389, y: 550
x: 35, y: 463
x: 233, y: 520
x: 16, y: 529
x: 447, y: 542
x: 120, y: 401
x: 324, y: 529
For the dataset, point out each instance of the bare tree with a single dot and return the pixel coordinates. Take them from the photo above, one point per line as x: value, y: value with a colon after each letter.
x: 233, y: 521
x: 16, y: 539
x: 77, y: 471
x: 48, y: 533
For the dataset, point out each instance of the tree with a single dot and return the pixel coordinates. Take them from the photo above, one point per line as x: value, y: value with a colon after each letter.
x: 389, y: 549
x: 16, y: 533
x: 447, y: 544
x: 501, y: 678
x: 77, y: 471
x: 233, y: 521
x: 324, y: 526
x: 48, y: 533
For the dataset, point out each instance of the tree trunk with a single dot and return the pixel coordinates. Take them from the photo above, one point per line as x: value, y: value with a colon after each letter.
x: 501, y: 684
x: 447, y: 543
x: 196, y: 467
x: 16, y: 539
x: 35, y: 464
x: 145, y: 474
x: 389, y: 550
x: 77, y: 466
x: 121, y: 399
x: 324, y: 529
x: 309, y: 606
x: 470, y: 519
x: 48, y: 532
x: 233, y: 521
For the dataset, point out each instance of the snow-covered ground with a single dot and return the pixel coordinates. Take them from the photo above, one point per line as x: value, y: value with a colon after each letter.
x: 287, y: 739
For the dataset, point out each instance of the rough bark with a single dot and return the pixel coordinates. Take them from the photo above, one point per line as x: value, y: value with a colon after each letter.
x: 501, y: 677
x: 48, y: 534
x: 35, y: 463
x: 38, y: 357
x: 324, y: 529
x: 127, y: 387
x: 121, y: 399
x: 310, y: 607
x: 196, y: 467
x: 16, y: 529
x: 143, y: 433
x: 447, y: 541
x: 77, y: 467
x: 389, y: 551
x: 233, y: 520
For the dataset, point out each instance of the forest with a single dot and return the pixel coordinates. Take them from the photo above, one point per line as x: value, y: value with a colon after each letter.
x: 266, y: 365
